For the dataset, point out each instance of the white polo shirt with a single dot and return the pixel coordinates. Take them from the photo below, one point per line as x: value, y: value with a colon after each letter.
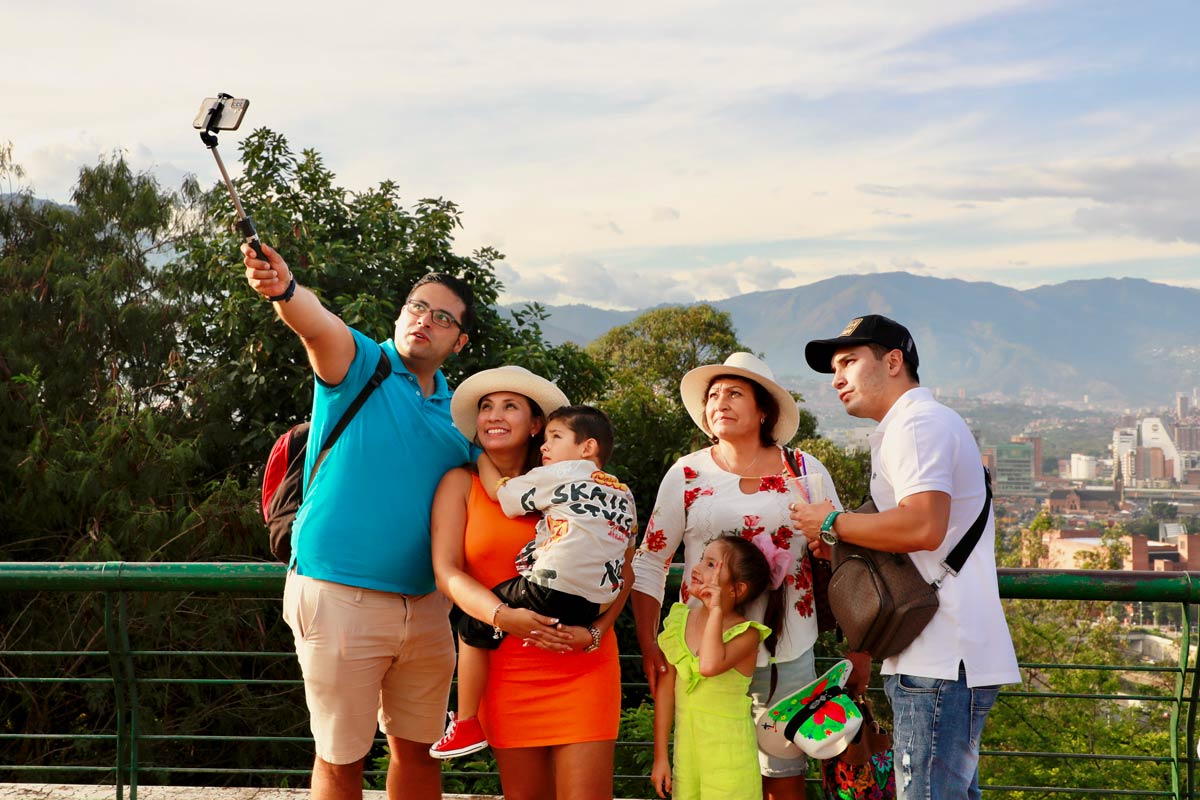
x: 923, y: 446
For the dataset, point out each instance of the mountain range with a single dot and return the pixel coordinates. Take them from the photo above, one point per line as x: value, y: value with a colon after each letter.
x: 1111, y: 341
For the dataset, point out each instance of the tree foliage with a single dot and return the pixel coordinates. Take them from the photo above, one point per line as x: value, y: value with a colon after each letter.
x: 661, y: 345
x: 1111, y: 554
x: 359, y: 252
x: 1056, y: 638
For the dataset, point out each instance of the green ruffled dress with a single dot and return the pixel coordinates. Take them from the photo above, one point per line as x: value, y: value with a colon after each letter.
x: 716, y: 753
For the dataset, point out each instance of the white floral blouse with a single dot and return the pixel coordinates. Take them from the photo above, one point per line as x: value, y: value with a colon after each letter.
x: 697, y: 502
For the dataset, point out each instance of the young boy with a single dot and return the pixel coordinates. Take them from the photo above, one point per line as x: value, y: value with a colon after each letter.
x: 572, y: 569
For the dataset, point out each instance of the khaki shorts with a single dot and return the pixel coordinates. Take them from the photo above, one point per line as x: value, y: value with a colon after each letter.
x: 370, y: 659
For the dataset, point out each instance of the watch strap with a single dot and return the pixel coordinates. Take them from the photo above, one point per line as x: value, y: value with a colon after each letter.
x: 287, y: 293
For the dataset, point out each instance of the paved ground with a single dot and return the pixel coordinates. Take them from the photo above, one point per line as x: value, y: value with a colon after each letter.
x: 51, y: 791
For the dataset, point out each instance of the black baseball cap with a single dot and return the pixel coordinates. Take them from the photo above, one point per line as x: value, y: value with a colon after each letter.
x: 871, y: 329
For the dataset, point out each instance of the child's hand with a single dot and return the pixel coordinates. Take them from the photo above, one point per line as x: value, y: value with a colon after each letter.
x: 710, y: 590
x: 660, y: 776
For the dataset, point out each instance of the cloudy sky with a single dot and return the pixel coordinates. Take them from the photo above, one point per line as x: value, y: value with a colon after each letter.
x: 630, y: 153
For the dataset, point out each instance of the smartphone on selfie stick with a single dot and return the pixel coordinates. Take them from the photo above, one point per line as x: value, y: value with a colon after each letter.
x: 224, y: 113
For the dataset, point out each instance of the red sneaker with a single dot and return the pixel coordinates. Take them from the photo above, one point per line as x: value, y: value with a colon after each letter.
x: 463, y: 736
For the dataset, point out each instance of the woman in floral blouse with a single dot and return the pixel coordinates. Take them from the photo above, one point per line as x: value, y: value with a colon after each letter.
x: 736, y: 486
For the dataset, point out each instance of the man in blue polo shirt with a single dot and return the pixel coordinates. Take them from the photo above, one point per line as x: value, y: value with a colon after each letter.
x: 372, y: 634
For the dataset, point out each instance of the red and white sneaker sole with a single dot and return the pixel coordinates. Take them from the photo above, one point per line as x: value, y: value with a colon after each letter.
x: 462, y: 751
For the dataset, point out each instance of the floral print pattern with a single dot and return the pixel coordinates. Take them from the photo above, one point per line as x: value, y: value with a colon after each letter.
x: 655, y: 539
x: 697, y: 502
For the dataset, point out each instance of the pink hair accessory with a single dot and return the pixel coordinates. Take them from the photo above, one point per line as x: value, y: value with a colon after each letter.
x: 779, y: 559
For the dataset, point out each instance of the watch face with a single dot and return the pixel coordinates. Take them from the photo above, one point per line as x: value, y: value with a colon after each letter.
x: 829, y: 537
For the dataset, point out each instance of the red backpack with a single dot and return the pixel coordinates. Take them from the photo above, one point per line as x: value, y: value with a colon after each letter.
x: 283, y: 479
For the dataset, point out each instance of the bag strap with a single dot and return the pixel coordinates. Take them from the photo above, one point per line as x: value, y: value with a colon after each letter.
x: 958, y: 556
x: 811, y: 708
x: 382, y: 369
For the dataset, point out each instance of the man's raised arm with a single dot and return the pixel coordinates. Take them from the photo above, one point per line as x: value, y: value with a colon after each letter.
x: 328, y: 341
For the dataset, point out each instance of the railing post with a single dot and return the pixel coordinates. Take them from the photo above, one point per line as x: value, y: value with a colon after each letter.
x: 1180, y: 688
x: 1195, y: 693
x: 116, y: 668
x: 116, y: 631
x: 131, y: 681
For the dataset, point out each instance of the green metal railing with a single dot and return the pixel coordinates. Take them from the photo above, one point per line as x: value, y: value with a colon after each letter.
x: 122, y: 675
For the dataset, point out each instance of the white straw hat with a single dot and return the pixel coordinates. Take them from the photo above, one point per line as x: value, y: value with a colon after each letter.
x: 743, y: 365
x: 464, y: 406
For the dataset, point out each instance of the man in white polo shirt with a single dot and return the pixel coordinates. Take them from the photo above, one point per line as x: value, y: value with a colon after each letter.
x: 927, y: 481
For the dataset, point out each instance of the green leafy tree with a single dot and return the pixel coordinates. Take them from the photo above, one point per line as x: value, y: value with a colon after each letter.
x: 647, y: 358
x: 1113, y: 551
x: 663, y: 344
x: 850, y: 470
x: 359, y: 252
x: 1164, y: 511
x: 97, y: 457
x: 1029, y: 547
x: 1053, y: 637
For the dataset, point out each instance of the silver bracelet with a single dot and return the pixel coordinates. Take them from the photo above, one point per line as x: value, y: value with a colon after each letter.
x: 496, y: 632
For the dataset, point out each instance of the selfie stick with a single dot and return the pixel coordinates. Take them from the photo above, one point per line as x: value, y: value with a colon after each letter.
x: 208, y: 135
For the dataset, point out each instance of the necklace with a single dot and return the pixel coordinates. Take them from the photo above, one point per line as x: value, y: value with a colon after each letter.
x: 724, y: 463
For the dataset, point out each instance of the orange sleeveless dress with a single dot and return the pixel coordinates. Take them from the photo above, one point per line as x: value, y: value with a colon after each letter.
x: 536, y: 698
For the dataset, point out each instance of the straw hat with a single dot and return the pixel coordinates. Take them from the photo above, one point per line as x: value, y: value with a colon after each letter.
x: 752, y: 368
x: 464, y: 406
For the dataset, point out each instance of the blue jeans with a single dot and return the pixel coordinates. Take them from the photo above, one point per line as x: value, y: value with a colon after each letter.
x: 937, y: 727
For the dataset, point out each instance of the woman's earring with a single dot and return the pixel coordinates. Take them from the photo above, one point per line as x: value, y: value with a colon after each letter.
x: 762, y: 421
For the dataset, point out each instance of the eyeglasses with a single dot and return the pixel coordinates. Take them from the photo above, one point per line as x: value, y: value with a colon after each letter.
x: 440, y: 317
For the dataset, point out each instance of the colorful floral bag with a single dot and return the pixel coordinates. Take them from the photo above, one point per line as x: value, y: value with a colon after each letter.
x: 864, y: 770
x: 819, y: 720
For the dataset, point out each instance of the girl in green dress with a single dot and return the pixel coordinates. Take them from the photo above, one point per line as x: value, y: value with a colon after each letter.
x: 711, y: 653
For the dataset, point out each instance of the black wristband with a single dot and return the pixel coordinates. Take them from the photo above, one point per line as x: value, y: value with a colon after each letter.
x: 287, y: 293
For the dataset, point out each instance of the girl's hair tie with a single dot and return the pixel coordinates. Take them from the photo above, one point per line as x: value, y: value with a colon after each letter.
x: 779, y: 559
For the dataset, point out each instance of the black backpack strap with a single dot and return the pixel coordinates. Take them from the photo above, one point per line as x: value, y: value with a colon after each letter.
x: 958, y: 556
x: 382, y: 370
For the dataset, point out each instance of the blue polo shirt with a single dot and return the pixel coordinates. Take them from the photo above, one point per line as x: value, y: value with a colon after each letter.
x: 365, y: 518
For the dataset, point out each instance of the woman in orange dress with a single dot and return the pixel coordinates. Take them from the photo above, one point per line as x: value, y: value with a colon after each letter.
x: 550, y: 711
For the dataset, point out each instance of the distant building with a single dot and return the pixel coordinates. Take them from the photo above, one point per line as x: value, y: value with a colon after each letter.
x: 1182, y: 409
x: 1083, y: 467
x: 1074, y: 501
x: 1124, y: 444
x: 988, y: 454
x: 1153, y: 435
x: 1014, y: 468
x: 1187, y: 437
x: 1171, y: 531
x: 1036, y: 441
x: 1150, y: 464
x: 1066, y: 548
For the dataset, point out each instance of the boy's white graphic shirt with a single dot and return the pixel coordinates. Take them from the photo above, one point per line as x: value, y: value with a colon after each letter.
x: 588, y: 521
